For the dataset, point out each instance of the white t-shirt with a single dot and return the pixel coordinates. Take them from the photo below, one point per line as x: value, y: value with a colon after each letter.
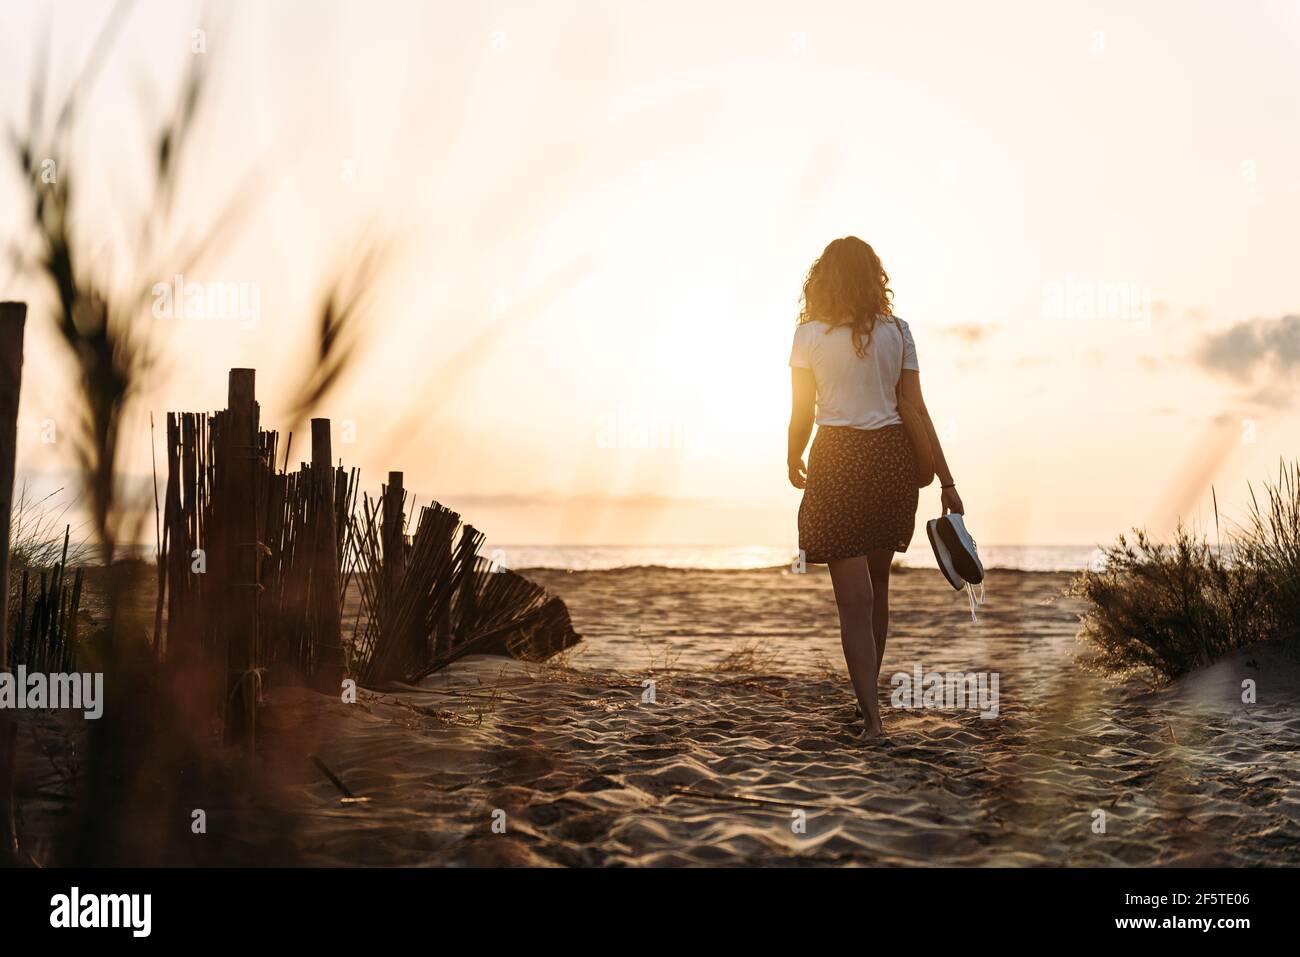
x: 850, y: 391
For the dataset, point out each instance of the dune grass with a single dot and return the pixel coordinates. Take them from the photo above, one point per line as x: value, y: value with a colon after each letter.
x: 1270, y: 543
x: 1166, y: 609
x: 38, y: 530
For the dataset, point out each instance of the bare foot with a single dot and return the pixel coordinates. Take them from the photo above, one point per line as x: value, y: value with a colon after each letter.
x: 873, y: 730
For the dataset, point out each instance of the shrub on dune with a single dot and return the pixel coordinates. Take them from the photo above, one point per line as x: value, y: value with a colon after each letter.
x: 1165, y: 609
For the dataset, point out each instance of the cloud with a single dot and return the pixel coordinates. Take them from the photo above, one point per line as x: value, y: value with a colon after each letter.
x: 1253, y: 345
x: 968, y: 332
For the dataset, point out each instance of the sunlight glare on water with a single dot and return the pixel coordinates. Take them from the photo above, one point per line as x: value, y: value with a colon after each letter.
x: 1037, y: 558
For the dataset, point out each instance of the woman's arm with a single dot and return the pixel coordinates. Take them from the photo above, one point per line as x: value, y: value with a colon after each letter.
x: 803, y: 403
x: 949, y: 498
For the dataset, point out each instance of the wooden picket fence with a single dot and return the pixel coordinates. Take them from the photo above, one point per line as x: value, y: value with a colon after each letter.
x: 257, y: 562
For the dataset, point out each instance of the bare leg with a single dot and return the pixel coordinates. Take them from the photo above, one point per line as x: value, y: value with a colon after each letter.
x: 851, y: 579
x: 879, y: 562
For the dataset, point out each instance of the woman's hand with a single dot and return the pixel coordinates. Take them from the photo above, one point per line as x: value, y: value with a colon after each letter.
x: 798, y: 474
x: 951, y: 501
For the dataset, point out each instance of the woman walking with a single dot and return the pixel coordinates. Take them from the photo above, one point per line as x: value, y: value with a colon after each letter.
x: 851, y: 358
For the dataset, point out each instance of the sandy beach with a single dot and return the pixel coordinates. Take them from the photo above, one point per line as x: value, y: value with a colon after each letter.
x: 393, y: 509
x: 746, y: 756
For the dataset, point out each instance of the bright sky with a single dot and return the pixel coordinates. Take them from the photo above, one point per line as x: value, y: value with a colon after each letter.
x: 603, y: 213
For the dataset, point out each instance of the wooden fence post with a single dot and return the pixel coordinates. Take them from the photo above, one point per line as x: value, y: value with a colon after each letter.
x: 394, y: 544
x: 13, y: 318
x: 327, y: 618
x: 242, y: 459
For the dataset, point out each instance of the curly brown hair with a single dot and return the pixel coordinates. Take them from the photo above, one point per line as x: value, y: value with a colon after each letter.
x: 847, y: 286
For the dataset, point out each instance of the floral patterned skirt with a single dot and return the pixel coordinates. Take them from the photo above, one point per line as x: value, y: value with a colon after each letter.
x: 861, y: 493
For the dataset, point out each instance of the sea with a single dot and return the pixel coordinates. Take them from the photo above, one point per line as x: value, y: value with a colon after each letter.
x: 586, y: 558
x: 1034, y: 558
